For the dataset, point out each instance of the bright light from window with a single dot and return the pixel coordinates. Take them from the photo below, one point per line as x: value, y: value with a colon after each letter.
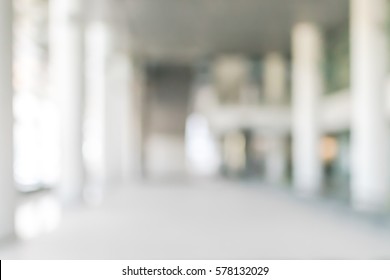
x: 201, y: 150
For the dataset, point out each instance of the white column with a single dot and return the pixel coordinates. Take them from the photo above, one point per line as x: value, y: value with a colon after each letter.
x: 275, y: 83
x: 370, y: 184
x: 114, y: 114
x: 275, y: 159
x: 121, y: 126
x: 307, y: 88
x: 113, y: 128
x: 98, y: 38
x: 67, y: 70
x: 131, y: 117
x: 7, y: 191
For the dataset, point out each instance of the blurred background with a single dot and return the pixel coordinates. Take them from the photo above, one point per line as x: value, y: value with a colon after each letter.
x: 169, y: 129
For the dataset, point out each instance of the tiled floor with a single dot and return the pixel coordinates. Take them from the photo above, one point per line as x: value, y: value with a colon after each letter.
x: 207, y: 220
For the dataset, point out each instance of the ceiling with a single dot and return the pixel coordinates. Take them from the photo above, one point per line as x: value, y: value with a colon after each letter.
x: 188, y: 29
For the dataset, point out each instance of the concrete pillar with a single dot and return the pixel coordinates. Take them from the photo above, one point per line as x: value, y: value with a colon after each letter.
x: 113, y: 127
x: 122, y: 148
x: 276, y: 159
x: 7, y: 190
x: 98, y: 44
x: 127, y: 120
x: 370, y: 184
x: 133, y: 159
x: 67, y: 70
x: 275, y: 83
x: 114, y: 110
x: 307, y: 88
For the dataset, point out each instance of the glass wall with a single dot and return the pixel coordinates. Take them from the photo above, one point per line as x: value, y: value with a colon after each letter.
x: 337, y: 64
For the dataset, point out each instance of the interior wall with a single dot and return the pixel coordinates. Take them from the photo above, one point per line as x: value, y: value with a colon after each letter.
x: 168, y: 90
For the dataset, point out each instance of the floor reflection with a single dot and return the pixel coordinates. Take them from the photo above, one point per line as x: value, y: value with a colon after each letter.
x: 37, y: 214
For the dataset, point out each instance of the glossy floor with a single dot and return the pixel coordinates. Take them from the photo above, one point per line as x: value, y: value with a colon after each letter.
x: 207, y: 220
